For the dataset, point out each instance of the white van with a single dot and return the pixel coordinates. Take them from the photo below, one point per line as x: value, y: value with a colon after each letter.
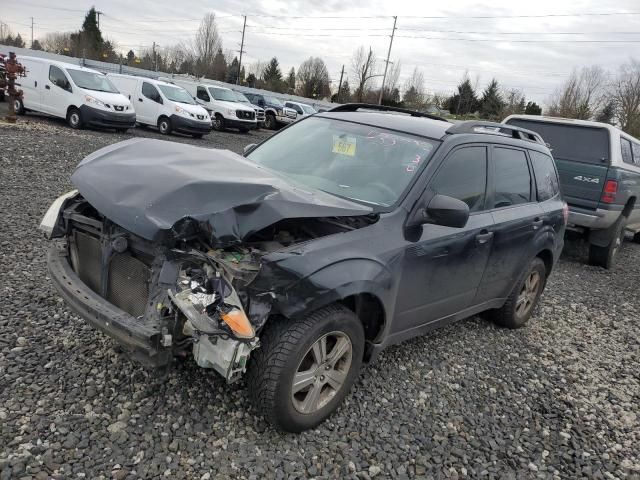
x: 81, y: 95
x: 302, y: 109
x: 222, y: 104
x: 161, y: 104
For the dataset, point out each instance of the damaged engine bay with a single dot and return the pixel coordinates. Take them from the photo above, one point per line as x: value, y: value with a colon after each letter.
x: 186, y: 293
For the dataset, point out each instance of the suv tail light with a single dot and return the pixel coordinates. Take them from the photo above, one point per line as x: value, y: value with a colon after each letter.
x: 565, y: 212
x: 609, y: 192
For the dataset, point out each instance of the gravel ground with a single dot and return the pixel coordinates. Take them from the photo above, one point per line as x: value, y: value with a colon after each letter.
x: 557, y: 399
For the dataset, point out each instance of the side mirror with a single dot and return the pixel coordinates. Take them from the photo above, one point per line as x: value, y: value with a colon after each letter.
x: 248, y: 149
x: 442, y: 210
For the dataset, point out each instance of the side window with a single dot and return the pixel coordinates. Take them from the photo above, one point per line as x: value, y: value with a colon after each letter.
x: 464, y: 176
x: 512, y: 180
x: 150, y: 92
x: 635, y: 146
x: 546, y: 176
x: 202, y: 94
x: 627, y: 155
x: 58, y: 78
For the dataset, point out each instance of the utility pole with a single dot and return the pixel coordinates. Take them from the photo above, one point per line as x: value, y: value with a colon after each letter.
x: 31, y: 32
x: 244, y: 26
x: 155, y: 63
x: 340, y: 84
x: 386, y: 63
x: 98, y: 18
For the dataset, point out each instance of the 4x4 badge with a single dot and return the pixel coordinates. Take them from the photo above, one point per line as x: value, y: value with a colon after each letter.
x: 582, y: 178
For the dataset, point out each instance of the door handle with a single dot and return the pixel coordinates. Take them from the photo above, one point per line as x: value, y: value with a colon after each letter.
x: 139, y: 99
x: 35, y: 83
x: 483, y: 237
x: 537, y: 223
x: 47, y: 87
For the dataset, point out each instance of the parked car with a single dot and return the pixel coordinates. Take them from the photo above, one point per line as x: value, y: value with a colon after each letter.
x: 302, y: 109
x: 276, y: 114
x: 222, y: 105
x: 300, y: 271
x: 599, y: 169
x: 80, y: 95
x: 259, y: 110
x: 163, y: 105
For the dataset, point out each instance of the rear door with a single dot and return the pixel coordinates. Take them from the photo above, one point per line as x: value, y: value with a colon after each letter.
x: 582, y: 155
x: 517, y: 219
x: 33, y: 84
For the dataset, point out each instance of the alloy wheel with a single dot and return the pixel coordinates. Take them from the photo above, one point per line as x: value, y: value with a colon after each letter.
x: 528, y: 294
x: 322, y: 372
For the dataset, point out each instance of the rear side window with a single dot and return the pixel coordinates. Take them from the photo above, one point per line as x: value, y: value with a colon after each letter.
x: 512, y: 183
x: 576, y: 143
x: 150, y: 92
x: 202, y: 94
x: 546, y: 177
x: 636, y: 152
x: 464, y: 176
x: 58, y: 78
x: 626, y: 151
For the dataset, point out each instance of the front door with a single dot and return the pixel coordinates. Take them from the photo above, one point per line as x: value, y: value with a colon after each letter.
x: 57, y: 93
x: 517, y: 217
x: 442, y: 270
x: 148, y: 104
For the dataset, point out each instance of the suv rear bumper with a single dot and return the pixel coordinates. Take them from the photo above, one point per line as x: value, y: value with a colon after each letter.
x: 141, y: 341
x: 594, y: 219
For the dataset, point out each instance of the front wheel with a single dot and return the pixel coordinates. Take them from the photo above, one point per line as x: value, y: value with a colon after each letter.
x: 74, y: 118
x: 218, y: 122
x: 305, y: 368
x: 606, y: 256
x: 270, y: 122
x: 164, y: 125
x: 18, y: 106
x: 524, y: 298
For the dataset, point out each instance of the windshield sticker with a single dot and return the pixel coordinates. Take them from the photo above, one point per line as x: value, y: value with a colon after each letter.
x: 344, y: 145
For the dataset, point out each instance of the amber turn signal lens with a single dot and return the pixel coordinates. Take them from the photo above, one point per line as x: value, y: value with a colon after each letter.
x: 238, y: 323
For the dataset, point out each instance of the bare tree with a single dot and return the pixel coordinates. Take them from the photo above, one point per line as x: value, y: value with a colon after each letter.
x: 413, y: 95
x: 256, y: 68
x: 204, y: 46
x: 514, y: 102
x: 363, y: 65
x: 581, y: 96
x: 625, y: 96
x: 58, y: 42
x: 313, y: 78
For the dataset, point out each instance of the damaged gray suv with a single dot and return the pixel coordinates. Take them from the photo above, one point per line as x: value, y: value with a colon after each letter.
x: 290, y: 266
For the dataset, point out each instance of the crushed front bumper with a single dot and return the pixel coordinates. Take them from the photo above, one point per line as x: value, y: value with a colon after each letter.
x: 142, y: 342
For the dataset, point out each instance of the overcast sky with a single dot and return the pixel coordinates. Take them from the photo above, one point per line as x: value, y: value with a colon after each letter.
x: 532, y: 46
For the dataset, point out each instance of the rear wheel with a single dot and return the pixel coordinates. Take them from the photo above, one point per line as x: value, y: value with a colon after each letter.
x: 606, y: 256
x: 270, y: 121
x: 304, y: 368
x: 164, y: 125
x: 18, y: 106
x: 522, y: 301
x: 74, y: 118
x: 218, y: 122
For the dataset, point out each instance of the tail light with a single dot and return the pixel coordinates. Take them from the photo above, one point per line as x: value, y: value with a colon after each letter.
x: 609, y: 192
x: 565, y: 212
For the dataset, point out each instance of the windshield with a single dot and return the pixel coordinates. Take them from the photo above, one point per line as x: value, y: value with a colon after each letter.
x: 308, y: 109
x: 241, y: 97
x: 273, y: 101
x: 176, y: 94
x: 92, y: 81
x: 222, y: 94
x: 366, y: 164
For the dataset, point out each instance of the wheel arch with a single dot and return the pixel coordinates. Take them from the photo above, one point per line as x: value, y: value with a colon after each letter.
x: 546, y: 255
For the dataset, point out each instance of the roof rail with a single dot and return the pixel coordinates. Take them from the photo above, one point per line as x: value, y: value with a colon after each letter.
x: 493, y: 128
x: 354, y: 107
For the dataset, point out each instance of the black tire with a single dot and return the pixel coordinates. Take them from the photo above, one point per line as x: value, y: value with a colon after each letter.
x: 1, y: 95
x: 270, y: 122
x: 18, y: 106
x: 196, y: 135
x: 605, y: 257
x: 74, y: 119
x: 218, y: 122
x: 164, y: 125
x: 511, y: 314
x: 636, y: 238
x: 285, y: 346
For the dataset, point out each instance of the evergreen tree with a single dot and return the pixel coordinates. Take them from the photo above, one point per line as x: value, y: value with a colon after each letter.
x: 465, y: 100
x: 131, y: 56
x: 533, y: 108
x: 36, y: 45
x: 291, y: 80
x: 607, y: 113
x: 218, y: 69
x: 272, y: 76
x: 18, y: 42
x: 232, y: 71
x: 252, y: 80
x: 491, y: 105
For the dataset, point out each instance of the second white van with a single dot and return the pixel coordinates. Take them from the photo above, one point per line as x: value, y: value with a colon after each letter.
x: 163, y: 105
x: 80, y: 95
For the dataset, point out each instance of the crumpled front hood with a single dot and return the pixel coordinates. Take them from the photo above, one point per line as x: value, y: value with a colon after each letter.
x: 149, y: 186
